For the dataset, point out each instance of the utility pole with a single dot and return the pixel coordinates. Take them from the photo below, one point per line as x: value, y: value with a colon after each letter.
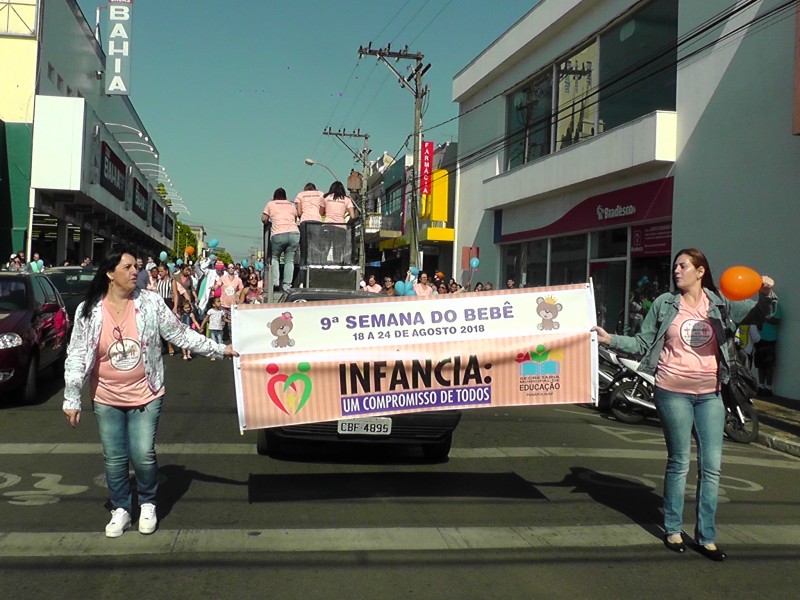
x: 363, y: 156
x: 419, y: 93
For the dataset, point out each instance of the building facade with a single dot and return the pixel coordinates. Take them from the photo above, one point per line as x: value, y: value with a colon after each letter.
x: 596, y: 138
x: 82, y: 171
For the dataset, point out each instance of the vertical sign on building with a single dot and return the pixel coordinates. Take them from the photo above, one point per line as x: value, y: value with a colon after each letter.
x: 427, y: 168
x: 118, y: 48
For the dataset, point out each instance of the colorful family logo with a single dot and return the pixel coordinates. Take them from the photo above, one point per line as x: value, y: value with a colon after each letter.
x: 289, y: 392
x: 540, y: 361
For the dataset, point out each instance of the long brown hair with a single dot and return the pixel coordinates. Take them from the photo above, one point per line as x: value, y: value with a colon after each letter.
x: 698, y: 260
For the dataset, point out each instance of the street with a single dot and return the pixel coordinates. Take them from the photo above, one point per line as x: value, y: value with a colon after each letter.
x: 535, y: 502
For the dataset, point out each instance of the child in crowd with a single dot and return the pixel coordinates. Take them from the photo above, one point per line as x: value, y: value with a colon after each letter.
x: 216, y: 319
x: 188, y: 319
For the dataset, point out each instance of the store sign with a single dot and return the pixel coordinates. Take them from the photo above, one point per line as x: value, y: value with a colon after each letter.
x: 649, y: 201
x: 157, y: 220
x: 427, y: 168
x: 651, y: 240
x: 118, y: 48
x: 141, y: 203
x: 169, y: 227
x: 112, y: 173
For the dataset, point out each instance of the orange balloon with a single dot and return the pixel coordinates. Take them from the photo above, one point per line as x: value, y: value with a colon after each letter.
x: 739, y: 283
x: 189, y: 250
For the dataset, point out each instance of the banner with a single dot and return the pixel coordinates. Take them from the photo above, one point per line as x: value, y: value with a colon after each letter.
x: 321, y: 361
x: 118, y: 48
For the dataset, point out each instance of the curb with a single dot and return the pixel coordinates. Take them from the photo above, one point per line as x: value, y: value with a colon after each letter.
x: 776, y: 442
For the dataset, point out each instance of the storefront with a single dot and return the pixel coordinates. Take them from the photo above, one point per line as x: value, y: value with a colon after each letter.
x: 620, y: 239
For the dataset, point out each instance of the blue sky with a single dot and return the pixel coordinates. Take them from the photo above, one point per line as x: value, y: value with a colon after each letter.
x: 236, y: 94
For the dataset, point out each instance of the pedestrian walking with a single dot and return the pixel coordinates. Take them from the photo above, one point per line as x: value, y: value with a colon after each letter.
x: 683, y: 339
x: 116, y: 343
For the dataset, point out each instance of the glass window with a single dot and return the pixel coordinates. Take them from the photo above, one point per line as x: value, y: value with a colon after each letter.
x: 638, y: 64
x: 577, y: 105
x: 536, y: 263
x: 512, y: 263
x: 610, y: 243
x: 38, y: 294
x: 529, y: 121
x: 568, y: 259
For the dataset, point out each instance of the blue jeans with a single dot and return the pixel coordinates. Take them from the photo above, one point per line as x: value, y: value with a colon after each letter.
x: 683, y: 416
x: 129, y: 435
x: 216, y: 335
x: 286, y: 244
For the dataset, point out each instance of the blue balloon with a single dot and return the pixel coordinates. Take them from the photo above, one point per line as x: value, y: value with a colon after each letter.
x: 213, y: 243
x: 179, y: 262
x: 414, y: 271
x: 410, y: 291
x: 162, y: 256
x: 212, y: 257
x: 400, y: 288
x: 474, y: 262
x: 259, y: 265
x: 245, y: 262
x: 171, y: 267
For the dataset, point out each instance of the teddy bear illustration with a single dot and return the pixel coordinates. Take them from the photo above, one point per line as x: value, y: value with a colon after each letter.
x: 548, y: 309
x: 280, y: 328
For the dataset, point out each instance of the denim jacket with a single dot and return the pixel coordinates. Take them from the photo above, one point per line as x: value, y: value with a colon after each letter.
x: 650, y: 339
x: 154, y: 320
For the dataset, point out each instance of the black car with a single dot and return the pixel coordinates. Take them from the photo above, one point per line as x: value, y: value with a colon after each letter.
x: 34, y: 330
x: 432, y: 430
x: 72, y: 283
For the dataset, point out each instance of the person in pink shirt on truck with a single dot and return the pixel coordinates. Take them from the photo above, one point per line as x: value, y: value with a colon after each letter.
x: 310, y: 205
x: 281, y: 214
x: 337, y: 205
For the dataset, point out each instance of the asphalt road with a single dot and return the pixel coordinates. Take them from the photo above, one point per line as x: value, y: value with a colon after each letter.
x: 535, y: 502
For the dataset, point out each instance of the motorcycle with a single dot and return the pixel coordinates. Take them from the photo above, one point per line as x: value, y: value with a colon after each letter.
x: 631, y: 401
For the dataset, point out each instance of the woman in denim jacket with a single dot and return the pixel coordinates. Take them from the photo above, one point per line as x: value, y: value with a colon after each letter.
x: 116, y: 341
x: 684, y: 345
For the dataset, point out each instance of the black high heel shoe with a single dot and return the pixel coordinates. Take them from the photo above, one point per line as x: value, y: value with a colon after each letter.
x: 716, y: 554
x: 678, y: 547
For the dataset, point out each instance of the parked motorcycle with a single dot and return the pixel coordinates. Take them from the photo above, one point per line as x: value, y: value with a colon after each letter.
x: 741, y: 423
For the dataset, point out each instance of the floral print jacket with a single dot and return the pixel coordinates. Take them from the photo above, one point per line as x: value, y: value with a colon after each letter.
x: 154, y: 320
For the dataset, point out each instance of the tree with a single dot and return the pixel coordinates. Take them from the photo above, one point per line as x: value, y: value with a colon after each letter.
x: 183, y: 237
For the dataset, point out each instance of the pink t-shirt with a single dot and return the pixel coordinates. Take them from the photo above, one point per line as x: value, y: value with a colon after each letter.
x: 688, y: 363
x: 336, y: 209
x: 230, y: 285
x: 309, y: 204
x: 282, y: 215
x: 118, y: 377
x: 374, y: 288
x: 422, y: 289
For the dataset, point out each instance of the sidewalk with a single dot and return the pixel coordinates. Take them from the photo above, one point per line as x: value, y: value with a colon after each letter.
x: 779, y: 420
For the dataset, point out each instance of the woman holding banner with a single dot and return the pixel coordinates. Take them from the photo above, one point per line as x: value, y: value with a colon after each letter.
x: 116, y: 341
x: 683, y: 340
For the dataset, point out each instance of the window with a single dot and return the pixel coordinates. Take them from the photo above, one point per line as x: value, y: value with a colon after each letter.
x: 577, y: 105
x: 536, y: 263
x: 38, y: 294
x: 51, y: 73
x: 18, y: 18
x: 610, y: 243
x: 528, y: 123
x: 60, y: 83
x: 568, y: 259
x: 638, y: 64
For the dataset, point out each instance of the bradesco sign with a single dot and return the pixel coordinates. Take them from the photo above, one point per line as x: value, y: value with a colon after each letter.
x: 118, y: 48
x: 314, y: 362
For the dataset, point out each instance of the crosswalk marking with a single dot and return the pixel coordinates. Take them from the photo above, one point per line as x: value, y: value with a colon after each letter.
x: 455, y: 453
x: 67, y: 544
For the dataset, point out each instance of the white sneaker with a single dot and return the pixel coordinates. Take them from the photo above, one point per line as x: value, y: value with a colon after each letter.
x: 147, y: 519
x: 120, y: 521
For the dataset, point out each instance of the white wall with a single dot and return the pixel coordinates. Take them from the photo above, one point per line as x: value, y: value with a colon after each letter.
x: 737, y: 183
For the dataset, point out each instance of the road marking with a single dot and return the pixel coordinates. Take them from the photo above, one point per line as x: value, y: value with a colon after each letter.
x: 196, y: 541
x: 455, y: 453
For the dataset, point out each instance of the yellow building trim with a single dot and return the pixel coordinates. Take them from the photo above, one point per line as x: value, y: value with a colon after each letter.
x: 437, y: 234
x: 18, y: 82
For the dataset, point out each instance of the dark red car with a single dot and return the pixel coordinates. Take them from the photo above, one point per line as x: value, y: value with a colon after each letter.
x: 34, y: 329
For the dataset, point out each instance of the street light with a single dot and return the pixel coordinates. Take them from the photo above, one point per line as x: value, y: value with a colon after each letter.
x: 311, y: 162
x: 132, y: 129
x: 148, y: 146
x: 153, y: 154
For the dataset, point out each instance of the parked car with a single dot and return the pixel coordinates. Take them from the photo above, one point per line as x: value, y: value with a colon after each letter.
x: 71, y: 283
x: 34, y: 329
x: 431, y: 430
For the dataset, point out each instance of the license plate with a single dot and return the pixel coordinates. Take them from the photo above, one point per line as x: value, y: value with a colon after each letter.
x: 367, y: 426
